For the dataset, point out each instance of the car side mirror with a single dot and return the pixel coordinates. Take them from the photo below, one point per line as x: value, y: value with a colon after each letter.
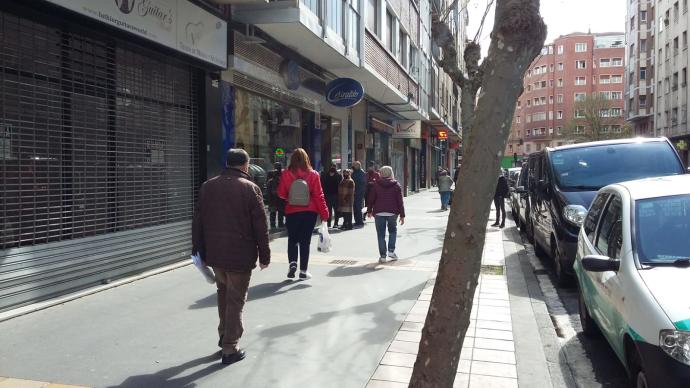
x: 597, y: 263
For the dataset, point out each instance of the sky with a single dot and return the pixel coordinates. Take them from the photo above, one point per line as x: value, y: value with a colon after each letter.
x: 561, y: 17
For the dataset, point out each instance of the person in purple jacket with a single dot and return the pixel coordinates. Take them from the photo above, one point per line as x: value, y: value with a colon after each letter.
x: 385, y: 203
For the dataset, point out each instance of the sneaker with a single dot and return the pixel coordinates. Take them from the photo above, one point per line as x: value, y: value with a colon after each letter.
x: 392, y: 256
x: 382, y: 259
x: 304, y: 275
x: 291, y: 273
x: 228, y: 359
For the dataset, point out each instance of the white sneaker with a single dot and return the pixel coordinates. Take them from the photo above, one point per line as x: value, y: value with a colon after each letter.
x: 304, y: 275
x: 382, y: 259
x: 392, y: 256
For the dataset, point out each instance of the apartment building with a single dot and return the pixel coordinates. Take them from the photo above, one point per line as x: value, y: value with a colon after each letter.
x: 640, y: 69
x: 671, y: 45
x: 566, y: 71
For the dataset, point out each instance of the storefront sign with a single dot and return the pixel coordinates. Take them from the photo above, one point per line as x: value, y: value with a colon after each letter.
x: 442, y: 135
x: 177, y: 24
x: 380, y: 126
x: 280, y: 152
x: 344, y: 92
x: 407, y: 129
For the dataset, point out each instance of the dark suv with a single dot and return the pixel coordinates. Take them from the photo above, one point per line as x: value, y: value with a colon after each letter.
x: 563, y: 181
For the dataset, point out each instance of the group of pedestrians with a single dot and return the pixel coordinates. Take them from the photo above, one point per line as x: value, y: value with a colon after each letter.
x: 230, y: 230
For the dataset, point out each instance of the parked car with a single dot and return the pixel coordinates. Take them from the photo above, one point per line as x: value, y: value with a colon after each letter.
x: 563, y: 181
x: 519, y: 199
x: 633, y: 272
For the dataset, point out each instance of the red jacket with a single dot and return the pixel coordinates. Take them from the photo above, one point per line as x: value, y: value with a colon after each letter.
x: 385, y: 196
x: 317, y: 203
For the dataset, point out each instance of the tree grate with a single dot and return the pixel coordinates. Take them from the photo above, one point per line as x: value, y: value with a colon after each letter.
x: 343, y: 262
x: 493, y: 270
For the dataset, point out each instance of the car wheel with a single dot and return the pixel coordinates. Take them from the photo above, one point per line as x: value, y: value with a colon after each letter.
x: 589, y: 327
x: 638, y: 377
x: 562, y: 278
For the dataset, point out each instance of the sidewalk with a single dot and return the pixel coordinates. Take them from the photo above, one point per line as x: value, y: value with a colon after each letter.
x: 489, y: 357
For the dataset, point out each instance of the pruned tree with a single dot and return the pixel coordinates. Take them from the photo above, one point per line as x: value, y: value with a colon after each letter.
x: 593, y: 121
x: 517, y: 38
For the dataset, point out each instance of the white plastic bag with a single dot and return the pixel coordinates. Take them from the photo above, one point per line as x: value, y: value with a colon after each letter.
x: 324, y: 239
x: 205, y: 271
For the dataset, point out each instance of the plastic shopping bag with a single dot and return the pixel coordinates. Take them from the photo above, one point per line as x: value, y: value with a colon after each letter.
x: 324, y: 239
x: 205, y: 271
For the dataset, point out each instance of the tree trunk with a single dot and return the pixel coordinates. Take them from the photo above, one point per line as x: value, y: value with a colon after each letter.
x: 517, y: 38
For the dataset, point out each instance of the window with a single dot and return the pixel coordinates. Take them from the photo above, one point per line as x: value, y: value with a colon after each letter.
x: 538, y: 146
x: 517, y: 119
x: 605, y: 95
x: 560, y: 50
x: 685, y: 40
x: 559, y: 130
x: 580, y: 81
x: 313, y: 5
x: 643, y: 101
x: 550, y: 115
x: 616, y: 79
x: 685, y: 6
x: 580, y: 64
x: 675, y: 46
x: 643, y: 47
x: 684, y: 77
x: 335, y: 16
x: 674, y: 84
x: 580, y: 47
x: 559, y: 98
x: 560, y: 83
x: 643, y: 16
x: 604, y: 129
x: 579, y: 129
x: 579, y: 113
x: 413, y: 63
x: 560, y: 67
x: 605, y: 62
x: 373, y: 16
x: 550, y: 99
x: 551, y: 83
x: 402, y: 48
x: 616, y: 112
x: 388, y: 31
x: 604, y: 112
x: 610, y: 236
x: 676, y: 9
x: 551, y: 68
x: 559, y: 115
x: 528, y: 132
x: 579, y: 96
x: 592, y: 219
x: 604, y: 79
x: 668, y: 51
x: 528, y: 148
x: 616, y: 95
x: 617, y: 62
x: 643, y: 73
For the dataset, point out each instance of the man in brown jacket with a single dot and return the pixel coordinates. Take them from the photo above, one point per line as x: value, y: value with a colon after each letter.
x: 229, y: 232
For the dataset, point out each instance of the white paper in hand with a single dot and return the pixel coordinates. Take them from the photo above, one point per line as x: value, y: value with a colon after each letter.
x: 205, y: 271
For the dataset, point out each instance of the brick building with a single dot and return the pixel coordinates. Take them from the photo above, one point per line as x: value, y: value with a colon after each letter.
x: 567, y: 70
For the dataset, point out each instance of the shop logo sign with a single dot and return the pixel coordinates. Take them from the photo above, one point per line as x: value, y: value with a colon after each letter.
x: 344, y: 92
x: 125, y: 6
x: 407, y: 129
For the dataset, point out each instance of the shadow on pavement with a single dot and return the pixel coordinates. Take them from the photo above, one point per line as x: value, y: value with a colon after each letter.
x: 437, y: 211
x: 353, y: 271
x: 259, y: 291
x: 165, y: 377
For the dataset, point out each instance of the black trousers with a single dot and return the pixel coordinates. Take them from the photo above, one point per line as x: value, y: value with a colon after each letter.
x: 300, y: 227
x: 500, y: 204
x: 332, y: 203
x: 272, y: 218
x: 357, y: 209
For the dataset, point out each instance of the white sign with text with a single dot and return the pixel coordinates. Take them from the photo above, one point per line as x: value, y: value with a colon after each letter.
x: 407, y: 129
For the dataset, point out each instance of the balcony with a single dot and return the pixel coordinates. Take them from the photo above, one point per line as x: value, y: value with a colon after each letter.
x: 302, y: 26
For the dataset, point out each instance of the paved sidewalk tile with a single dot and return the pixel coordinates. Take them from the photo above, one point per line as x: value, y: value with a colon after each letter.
x: 480, y: 381
x: 493, y: 356
x: 493, y: 334
x: 494, y: 369
x: 494, y: 344
x: 404, y: 347
x: 385, y: 384
x: 399, y: 359
x: 412, y: 326
x: 397, y: 374
x: 409, y: 336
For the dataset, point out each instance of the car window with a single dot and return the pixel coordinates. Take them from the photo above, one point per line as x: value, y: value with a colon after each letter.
x: 607, y: 228
x: 523, y: 178
x: 595, y: 210
x: 662, y: 228
x: 590, y: 168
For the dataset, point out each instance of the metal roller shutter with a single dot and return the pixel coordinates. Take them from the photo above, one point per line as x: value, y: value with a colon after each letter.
x: 98, y: 159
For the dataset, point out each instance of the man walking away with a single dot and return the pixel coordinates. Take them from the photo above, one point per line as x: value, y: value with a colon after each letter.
x: 360, y: 179
x: 346, y: 196
x: 502, y: 192
x: 229, y: 232
x: 445, y: 184
x: 386, y: 204
x: 329, y: 181
x: 276, y: 205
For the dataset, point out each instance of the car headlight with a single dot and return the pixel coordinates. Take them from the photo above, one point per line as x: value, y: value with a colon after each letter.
x: 676, y: 343
x: 575, y: 214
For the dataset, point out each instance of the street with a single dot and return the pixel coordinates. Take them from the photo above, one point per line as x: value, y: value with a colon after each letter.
x: 330, y: 330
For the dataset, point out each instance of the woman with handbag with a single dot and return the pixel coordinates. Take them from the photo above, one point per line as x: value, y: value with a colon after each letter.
x: 346, y: 199
x: 300, y: 187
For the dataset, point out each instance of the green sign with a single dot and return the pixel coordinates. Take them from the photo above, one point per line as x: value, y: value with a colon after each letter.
x: 280, y: 152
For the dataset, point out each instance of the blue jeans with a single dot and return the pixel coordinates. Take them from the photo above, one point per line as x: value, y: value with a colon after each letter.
x: 445, y: 198
x: 381, y: 223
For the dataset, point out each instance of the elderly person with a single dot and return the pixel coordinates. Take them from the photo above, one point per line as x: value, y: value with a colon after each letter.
x: 386, y: 205
x: 346, y: 196
x: 445, y: 184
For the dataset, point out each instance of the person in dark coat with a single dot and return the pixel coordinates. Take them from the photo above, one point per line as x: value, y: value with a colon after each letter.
x: 330, y: 180
x: 386, y: 205
x: 346, y: 197
x: 276, y: 205
x: 372, y: 176
x: 360, y: 179
x: 502, y: 192
x: 229, y: 233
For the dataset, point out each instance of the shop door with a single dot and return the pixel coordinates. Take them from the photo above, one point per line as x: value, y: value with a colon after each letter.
x: 98, y: 158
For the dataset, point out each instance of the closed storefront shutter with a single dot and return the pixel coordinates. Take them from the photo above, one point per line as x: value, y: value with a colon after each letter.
x: 98, y: 159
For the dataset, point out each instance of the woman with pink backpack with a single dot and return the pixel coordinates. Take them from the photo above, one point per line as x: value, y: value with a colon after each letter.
x: 300, y: 187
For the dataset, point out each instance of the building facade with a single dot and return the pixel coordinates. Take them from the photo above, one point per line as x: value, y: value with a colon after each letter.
x: 568, y: 70
x: 101, y: 124
x: 671, y: 68
x: 640, y: 66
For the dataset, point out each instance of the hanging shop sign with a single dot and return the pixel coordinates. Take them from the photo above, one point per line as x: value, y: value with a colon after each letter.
x: 280, y: 152
x: 442, y: 135
x: 411, y: 129
x: 177, y: 24
x: 344, y: 92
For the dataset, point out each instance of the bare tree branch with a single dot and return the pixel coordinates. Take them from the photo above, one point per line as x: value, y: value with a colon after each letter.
x: 481, y: 25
